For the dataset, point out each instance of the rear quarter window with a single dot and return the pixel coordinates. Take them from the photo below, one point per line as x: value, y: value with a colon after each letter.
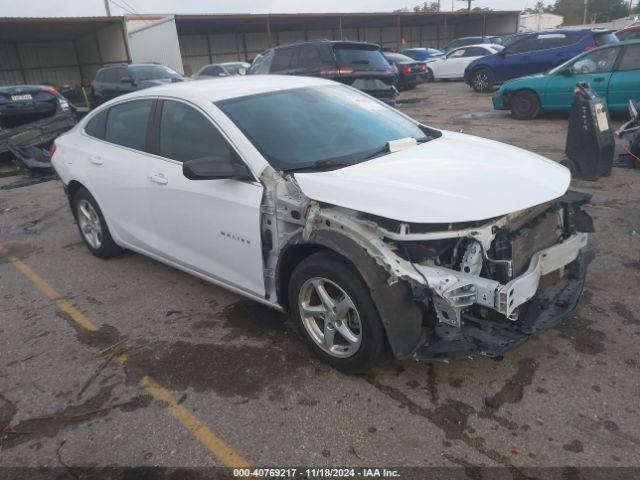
x: 96, y: 125
x: 605, y: 38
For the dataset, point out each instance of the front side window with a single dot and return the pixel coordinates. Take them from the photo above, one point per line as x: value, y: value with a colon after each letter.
x: 476, y: 52
x: 213, y: 71
x: 631, y: 58
x: 300, y: 127
x: 186, y: 134
x: 457, y: 53
x: 127, y: 124
x: 262, y: 63
x: 525, y: 45
x: 629, y: 35
x: 598, y: 61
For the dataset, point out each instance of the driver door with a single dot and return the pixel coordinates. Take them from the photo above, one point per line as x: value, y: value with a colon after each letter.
x: 594, y: 68
x: 209, y: 226
x: 452, y: 63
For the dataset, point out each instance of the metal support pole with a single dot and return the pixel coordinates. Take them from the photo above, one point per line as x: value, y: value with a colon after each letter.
x: 269, y: 30
x: 399, y: 31
x: 106, y: 8
x: 340, y: 27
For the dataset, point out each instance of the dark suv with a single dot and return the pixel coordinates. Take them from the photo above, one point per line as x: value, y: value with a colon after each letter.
x: 114, y: 80
x: 358, y: 64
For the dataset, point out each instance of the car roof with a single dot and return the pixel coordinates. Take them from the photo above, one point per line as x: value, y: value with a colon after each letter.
x: 326, y: 42
x: 485, y: 45
x: 229, y: 87
x: 629, y: 28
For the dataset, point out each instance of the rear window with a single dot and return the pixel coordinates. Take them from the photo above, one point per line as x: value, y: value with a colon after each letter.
x: 358, y: 56
x: 605, y: 38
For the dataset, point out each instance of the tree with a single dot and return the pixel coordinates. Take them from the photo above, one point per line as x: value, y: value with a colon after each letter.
x: 597, y: 10
x: 468, y: 3
x: 422, y: 7
x: 540, y: 6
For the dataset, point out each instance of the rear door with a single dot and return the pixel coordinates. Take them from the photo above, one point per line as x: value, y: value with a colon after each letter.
x: 284, y: 61
x: 595, y: 67
x: 117, y: 166
x: 625, y: 80
x: 209, y: 226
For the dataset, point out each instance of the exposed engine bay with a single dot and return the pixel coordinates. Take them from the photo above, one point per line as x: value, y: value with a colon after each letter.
x: 473, y: 287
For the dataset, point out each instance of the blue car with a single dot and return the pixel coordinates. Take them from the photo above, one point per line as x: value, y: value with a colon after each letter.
x: 533, y: 53
x: 422, y: 54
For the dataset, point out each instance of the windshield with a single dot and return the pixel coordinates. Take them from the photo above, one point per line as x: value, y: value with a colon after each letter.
x: 360, y: 57
x: 153, y: 72
x: 298, y: 128
x: 234, y: 68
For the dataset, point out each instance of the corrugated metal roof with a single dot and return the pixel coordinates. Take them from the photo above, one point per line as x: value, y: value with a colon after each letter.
x: 41, y: 29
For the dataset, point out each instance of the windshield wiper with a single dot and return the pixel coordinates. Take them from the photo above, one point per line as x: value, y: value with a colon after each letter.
x: 319, y: 166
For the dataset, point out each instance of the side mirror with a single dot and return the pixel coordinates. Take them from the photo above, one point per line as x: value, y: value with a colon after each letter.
x: 128, y: 79
x: 221, y: 74
x: 242, y: 71
x: 215, y: 168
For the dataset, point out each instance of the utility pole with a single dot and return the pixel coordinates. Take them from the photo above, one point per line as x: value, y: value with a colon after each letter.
x: 106, y: 7
x: 586, y: 7
x: 468, y: 3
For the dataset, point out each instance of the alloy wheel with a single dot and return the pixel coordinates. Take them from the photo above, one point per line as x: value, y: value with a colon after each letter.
x: 330, y: 317
x: 90, y: 225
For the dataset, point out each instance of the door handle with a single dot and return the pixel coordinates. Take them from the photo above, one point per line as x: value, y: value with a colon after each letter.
x: 599, y: 79
x: 159, y: 178
x: 96, y: 160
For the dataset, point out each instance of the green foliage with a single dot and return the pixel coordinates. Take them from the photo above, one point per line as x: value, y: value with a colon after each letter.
x: 598, y: 10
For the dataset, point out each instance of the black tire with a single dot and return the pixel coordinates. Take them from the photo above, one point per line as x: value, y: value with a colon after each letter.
x: 525, y: 105
x: 107, y: 247
x: 483, y: 81
x: 327, y: 265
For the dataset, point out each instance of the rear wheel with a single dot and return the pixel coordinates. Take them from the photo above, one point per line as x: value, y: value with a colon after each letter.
x: 483, y: 81
x: 93, y: 226
x: 525, y: 105
x: 332, y: 307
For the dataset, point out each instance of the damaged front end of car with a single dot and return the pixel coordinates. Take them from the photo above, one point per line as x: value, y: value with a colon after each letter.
x: 443, y: 291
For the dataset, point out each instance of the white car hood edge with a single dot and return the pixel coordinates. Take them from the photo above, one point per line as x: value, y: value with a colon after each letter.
x: 451, y: 179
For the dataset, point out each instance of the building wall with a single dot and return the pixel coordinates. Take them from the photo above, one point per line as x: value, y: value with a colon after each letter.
x: 156, y: 42
x: 200, y: 50
x: 61, y: 63
x: 539, y: 21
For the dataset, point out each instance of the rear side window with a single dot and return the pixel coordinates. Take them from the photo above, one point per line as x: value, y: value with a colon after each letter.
x: 605, y: 38
x: 357, y: 56
x: 127, y: 124
x: 458, y: 53
x: 631, y: 58
x: 309, y: 57
x: 96, y: 125
x: 186, y: 134
x: 556, y: 40
x: 283, y: 59
x: 114, y: 75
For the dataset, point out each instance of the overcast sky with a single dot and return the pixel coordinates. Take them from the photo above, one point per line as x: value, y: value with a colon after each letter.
x: 35, y: 8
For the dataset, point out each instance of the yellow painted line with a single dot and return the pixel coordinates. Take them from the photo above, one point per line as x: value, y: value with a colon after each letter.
x: 205, y: 436
x: 222, y: 451
x: 44, y: 287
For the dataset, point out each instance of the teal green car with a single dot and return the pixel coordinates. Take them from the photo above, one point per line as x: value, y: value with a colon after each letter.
x: 612, y: 70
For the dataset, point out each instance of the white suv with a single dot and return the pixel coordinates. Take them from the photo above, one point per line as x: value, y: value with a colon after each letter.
x: 372, y: 230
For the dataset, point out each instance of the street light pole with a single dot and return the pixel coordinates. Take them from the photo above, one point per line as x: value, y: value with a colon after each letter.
x: 586, y: 6
x: 106, y: 7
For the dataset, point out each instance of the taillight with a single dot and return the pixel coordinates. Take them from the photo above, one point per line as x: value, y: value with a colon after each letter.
x: 336, y: 71
x: 49, y: 90
x: 406, y: 69
x: 590, y: 47
x: 52, y: 150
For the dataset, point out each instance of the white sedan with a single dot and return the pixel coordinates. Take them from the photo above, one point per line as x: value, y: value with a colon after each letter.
x: 372, y: 230
x: 453, y: 64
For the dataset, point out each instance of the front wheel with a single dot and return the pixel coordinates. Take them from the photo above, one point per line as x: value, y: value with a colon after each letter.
x: 525, y: 105
x: 334, y: 311
x: 482, y: 81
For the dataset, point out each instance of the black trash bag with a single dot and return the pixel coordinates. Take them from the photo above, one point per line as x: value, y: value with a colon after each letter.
x: 590, y: 141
